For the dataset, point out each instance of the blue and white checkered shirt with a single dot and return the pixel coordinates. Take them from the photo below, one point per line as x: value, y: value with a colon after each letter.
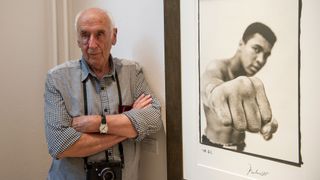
x: 64, y: 100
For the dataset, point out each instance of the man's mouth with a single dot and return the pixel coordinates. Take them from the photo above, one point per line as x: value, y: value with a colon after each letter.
x: 94, y: 54
x: 254, y: 68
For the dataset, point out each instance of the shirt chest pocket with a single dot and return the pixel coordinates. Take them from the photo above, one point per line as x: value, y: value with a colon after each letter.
x: 74, y: 105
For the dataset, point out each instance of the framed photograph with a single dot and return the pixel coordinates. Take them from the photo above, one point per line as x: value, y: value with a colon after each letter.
x: 210, y: 34
x: 239, y: 41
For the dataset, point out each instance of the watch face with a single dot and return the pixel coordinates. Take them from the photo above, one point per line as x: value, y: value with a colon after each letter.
x: 103, y: 128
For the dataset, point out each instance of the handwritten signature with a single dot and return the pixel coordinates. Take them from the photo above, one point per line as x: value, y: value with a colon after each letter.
x: 255, y: 171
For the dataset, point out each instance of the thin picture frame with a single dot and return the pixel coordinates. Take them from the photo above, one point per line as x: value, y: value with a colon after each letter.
x: 173, y: 89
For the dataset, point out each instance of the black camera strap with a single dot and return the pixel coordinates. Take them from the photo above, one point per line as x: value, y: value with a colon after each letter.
x: 86, y: 113
x: 120, y: 104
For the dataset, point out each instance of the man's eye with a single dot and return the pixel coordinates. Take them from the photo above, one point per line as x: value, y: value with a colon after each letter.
x: 256, y: 49
x: 84, y: 35
x: 266, y: 55
x: 99, y: 34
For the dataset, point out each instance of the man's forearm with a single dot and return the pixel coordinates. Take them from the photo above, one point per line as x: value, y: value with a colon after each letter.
x: 120, y: 125
x: 208, y: 87
x: 90, y: 144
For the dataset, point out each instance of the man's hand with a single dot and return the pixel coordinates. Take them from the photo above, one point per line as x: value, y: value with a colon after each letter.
x: 237, y: 106
x: 91, y: 123
x: 88, y: 124
x: 144, y: 101
x: 268, y: 129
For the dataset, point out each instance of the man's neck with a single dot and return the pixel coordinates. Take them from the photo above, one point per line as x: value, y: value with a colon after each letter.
x: 101, y: 69
x: 236, y: 68
x: 100, y: 74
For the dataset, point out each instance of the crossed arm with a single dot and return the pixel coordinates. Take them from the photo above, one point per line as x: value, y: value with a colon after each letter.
x: 69, y: 136
x: 120, y: 128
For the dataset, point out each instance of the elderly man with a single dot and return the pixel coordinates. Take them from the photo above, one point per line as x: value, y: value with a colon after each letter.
x: 98, y: 108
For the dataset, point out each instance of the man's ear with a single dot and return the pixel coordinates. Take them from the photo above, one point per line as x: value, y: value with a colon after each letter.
x: 78, y: 42
x: 78, y: 37
x: 241, y: 43
x: 114, y: 36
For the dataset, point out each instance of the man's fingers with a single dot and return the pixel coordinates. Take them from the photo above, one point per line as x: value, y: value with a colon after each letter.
x: 138, y: 100
x: 142, y: 101
x: 268, y: 129
x: 262, y: 100
x: 267, y: 137
x: 89, y: 123
x: 145, y: 102
x: 74, y: 122
x: 146, y: 97
x: 223, y: 112
x: 219, y: 104
x: 237, y: 114
x: 274, y: 125
x: 140, y: 97
x: 253, y: 115
x: 147, y: 106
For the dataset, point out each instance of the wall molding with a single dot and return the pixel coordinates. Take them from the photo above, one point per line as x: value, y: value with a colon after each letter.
x: 60, y: 31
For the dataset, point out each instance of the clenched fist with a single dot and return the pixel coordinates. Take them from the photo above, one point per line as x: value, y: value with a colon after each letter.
x: 236, y: 106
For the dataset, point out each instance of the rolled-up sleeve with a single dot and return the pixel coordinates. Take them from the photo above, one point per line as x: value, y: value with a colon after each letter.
x: 145, y: 121
x: 59, y: 133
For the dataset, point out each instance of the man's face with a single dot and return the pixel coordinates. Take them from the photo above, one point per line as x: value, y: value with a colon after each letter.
x: 95, y: 38
x: 254, y: 54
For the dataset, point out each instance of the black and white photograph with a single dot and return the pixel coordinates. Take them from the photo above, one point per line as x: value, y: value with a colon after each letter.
x: 249, y: 70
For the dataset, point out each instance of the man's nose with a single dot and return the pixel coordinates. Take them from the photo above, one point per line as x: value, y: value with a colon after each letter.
x: 92, y: 41
x: 261, y: 59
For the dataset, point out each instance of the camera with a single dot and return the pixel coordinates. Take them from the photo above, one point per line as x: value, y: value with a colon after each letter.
x: 104, y: 170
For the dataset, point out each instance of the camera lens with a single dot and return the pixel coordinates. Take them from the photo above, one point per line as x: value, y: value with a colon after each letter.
x: 107, y: 174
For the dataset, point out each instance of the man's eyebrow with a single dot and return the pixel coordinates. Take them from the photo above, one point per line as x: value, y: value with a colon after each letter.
x: 267, y: 54
x: 83, y: 31
x: 101, y: 31
x: 258, y: 46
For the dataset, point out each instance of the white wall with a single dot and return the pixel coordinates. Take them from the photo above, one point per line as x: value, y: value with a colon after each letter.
x: 24, y: 62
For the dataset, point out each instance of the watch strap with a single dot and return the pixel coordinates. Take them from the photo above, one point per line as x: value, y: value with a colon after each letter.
x: 103, y: 119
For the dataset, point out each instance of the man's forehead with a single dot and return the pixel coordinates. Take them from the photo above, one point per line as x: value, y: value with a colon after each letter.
x: 260, y: 40
x: 93, y: 17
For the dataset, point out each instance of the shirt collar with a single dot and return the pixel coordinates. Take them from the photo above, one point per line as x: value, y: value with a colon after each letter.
x: 86, y: 71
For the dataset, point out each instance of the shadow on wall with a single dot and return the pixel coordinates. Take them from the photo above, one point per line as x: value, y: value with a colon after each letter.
x: 152, y: 62
x: 154, y: 146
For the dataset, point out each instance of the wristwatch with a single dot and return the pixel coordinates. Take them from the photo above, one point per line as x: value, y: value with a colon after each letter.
x: 103, y: 125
